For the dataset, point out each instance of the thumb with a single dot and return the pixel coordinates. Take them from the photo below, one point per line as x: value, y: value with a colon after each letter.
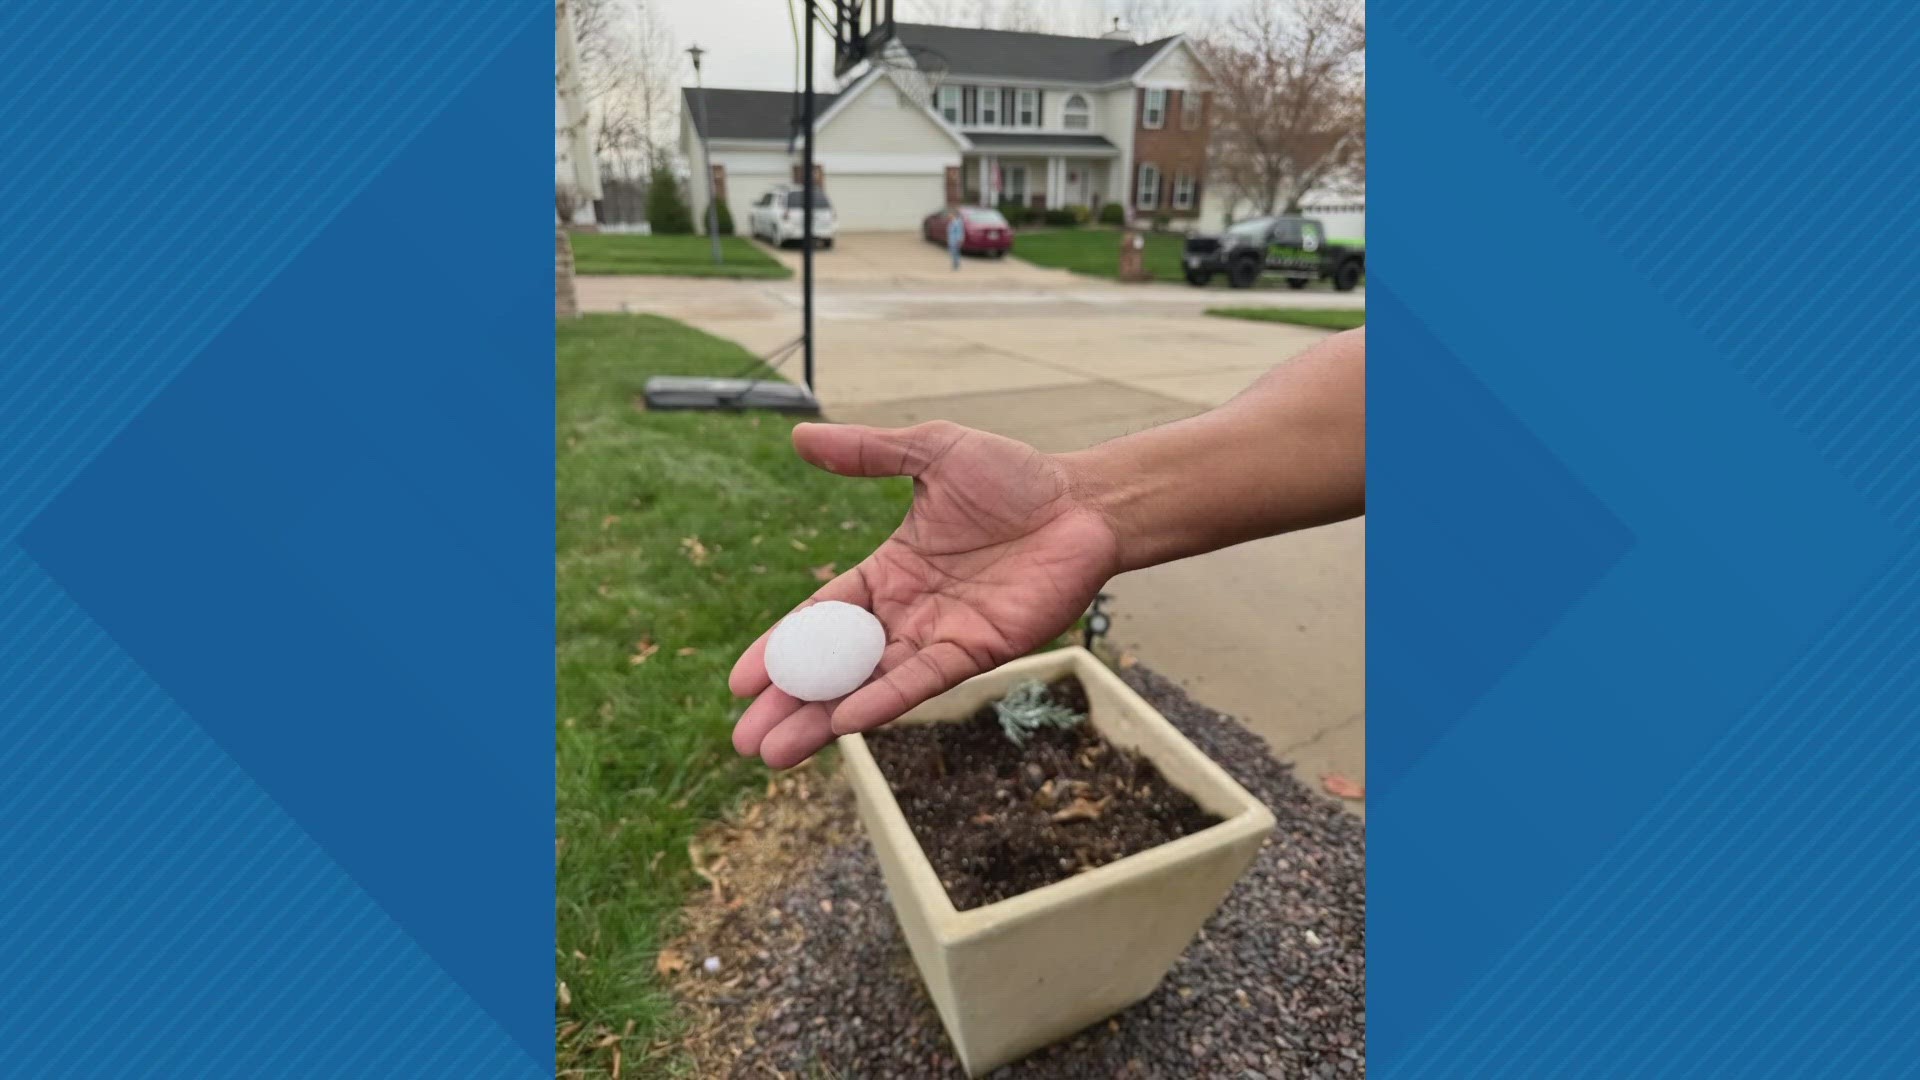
x: 854, y: 450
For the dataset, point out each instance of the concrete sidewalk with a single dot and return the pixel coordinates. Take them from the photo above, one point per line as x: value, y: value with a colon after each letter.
x: 1273, y: 631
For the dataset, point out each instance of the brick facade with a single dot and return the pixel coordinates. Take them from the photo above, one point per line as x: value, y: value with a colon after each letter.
x: 955, y: 192
x: 1172, y: 149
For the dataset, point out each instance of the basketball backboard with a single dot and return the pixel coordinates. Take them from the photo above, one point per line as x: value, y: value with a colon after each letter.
x: 861, y: 28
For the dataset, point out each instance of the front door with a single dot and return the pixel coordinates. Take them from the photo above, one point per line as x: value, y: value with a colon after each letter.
x: 1015, y: 184
x: 1077, y: 186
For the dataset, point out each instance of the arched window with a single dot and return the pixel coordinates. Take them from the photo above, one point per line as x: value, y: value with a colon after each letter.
x: 1075, y: 116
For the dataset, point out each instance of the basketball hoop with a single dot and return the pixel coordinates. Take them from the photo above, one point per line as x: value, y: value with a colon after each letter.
x: 918, y: 70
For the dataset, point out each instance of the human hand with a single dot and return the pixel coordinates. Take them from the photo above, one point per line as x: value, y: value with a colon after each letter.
x: 998, y: 555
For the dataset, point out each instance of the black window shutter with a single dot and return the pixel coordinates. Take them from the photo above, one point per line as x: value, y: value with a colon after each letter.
x: 1006, y: 106
x: 1040, y: 108
x: 967, y: 105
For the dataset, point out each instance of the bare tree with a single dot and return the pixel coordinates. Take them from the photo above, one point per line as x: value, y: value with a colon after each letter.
x: 1289, y: 97
x: 629, y: 74
x: 1151, y: 20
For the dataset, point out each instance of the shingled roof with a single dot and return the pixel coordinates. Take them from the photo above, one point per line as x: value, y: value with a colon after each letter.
x: 1011, y: 54
x: 750, y: 114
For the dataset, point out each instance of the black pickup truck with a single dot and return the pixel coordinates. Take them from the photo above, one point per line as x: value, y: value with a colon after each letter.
x: 1295, y: 248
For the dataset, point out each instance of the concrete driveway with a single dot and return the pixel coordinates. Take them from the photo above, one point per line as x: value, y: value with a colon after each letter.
x: 1272, y: 631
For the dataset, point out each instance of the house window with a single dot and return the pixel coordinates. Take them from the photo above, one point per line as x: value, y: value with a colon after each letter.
x: 1183, y: 191
x: 1076, y: 116
x: 990, y: 106
x: 1154, y: 114
x: 1189, y: 109
x: 1149, y: 188
x: 1028, y: 108
x: 950, y: 104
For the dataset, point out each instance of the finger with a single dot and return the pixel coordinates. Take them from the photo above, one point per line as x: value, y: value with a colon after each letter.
x: 749, y: 675
x: 798, y: 737
x: 854, y: 450
x: 932, y: 671
x: 767, y: 711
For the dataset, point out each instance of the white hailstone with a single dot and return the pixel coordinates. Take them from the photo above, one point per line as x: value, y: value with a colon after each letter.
x: 712, y: 965
x: 825, y: 651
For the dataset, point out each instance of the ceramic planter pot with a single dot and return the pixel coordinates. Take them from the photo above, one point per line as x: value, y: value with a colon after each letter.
x: 1011, y: 977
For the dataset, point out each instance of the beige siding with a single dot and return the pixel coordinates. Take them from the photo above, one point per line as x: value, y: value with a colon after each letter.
x: 1176, y: 69
x: 883, y: 121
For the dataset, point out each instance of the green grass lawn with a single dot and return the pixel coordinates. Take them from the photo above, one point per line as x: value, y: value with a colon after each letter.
x: 1096, y: 251
x: 680, y: 537
x: 678, y: 256
x: 1326, y: 318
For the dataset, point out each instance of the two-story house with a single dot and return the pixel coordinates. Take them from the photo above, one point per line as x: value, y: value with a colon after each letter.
x: 1043, y: 119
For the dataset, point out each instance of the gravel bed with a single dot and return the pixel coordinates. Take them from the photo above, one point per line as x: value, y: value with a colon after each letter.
x: 1275, y: 986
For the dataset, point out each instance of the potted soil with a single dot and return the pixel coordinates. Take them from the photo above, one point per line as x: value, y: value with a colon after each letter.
x: 1050, y: 843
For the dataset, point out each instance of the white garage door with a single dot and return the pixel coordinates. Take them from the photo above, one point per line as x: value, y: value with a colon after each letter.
x: 875, y: 202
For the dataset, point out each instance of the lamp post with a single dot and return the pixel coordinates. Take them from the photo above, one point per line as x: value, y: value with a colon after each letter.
x: 706, y: 155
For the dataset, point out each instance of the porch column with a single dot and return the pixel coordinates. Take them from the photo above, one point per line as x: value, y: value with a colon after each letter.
x: 1056, y: 183
x: 986, y: 180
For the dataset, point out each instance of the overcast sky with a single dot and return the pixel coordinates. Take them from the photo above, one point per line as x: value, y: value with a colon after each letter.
x: 750, y: 43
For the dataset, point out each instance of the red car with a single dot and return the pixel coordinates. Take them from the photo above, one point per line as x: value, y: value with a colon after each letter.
x: 988, y: 232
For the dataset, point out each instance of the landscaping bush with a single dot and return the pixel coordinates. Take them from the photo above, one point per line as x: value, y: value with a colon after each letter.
x: 1113, y: 214
x: 1062, y: 218
x: 667, y: 211
x: 723, y: 218
x: 1081, y: 215
x: 1017, y: 214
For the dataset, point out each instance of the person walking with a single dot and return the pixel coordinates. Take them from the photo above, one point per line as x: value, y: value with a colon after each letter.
x: 956, y: 232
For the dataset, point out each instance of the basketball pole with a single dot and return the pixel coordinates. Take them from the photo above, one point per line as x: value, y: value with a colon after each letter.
x: 807, y: 200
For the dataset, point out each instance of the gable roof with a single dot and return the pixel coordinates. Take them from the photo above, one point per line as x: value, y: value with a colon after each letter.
x: 751, y: 114
x: 1012, y: 54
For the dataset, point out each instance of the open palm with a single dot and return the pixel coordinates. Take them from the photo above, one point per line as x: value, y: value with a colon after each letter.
x: 996, y: 557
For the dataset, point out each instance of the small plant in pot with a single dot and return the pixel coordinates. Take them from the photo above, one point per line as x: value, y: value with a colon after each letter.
x: 1051, y: 844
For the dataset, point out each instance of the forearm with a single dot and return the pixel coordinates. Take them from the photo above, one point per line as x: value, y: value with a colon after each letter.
x: 1288, y: 453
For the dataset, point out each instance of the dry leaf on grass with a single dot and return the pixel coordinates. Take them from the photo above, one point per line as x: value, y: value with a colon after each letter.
x: 1343, y: 786
x: 797, y: 545
x: 610, y: 521
x: 849, y: 525
x: 642, y: 650
x: 566, y: 995
x: 688, y: 651
x: 824, y: 572
x: 758, y: 569
x: 669, y: 963
x: 696, y: 551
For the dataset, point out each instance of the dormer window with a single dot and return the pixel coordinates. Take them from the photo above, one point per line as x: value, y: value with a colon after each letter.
x: 1076, y: 115
x: 1153, y: 113
x: 990, y: 106
x: 949, y: 100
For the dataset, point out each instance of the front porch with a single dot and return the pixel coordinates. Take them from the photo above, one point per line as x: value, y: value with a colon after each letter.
x: 1045, y: 178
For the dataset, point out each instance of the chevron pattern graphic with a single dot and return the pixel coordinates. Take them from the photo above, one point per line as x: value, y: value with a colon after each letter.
x: 275, y: 540
x: 1643, y: 550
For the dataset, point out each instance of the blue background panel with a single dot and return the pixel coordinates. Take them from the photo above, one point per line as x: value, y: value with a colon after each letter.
x: 276, y: 539
x: 1646, y: 723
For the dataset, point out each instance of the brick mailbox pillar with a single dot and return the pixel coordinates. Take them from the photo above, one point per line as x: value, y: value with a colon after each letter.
x: 719, y: 185
x: 955, y: 193
x: 819, y: 176
x: 1133, y: 256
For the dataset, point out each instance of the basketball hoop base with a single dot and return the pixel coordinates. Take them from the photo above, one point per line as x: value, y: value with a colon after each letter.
x: 668, y: 392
